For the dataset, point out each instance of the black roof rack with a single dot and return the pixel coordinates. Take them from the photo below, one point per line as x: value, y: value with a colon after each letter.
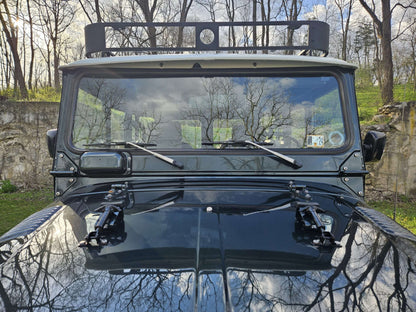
x: 107, y: 38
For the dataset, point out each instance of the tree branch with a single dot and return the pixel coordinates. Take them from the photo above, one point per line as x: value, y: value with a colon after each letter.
x: 374, y: 17
x: 398, y: 4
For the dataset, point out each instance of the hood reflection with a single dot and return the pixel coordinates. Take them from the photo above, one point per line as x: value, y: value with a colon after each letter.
x: 367, y: 273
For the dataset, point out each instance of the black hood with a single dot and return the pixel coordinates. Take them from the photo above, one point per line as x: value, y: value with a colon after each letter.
x: 185, y: 247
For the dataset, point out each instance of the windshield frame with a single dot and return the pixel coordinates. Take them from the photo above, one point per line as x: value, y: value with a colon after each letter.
x: 123, y: 73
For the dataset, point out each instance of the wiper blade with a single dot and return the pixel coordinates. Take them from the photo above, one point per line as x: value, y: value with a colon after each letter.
x: 233, y: 143
x: 107, y: 144
x: 167, y: 159
x: 296, y: 164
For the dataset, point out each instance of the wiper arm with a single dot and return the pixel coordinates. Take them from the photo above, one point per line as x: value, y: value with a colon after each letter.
x: 282, y: 207
x: 167, y: 159
x: 259, y: 145
x: 288, y: 159
x: 165, y: 205
x: 141, y: 146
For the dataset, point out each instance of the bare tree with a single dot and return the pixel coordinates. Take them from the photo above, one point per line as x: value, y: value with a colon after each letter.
x: 149, y: 8
x: 211, y: 6
x: 384, y: 32
x: 292, y: 9
x: 93, y: 117
x: 32, y: 44
x: 55, y: 17
x: 344, y: 8
x: 265, y: 8
x: 10, y: 31
x: 264, y: 110
x: 6, y: 70
x: 184, y: 10
x: 90, y: 8
x: 230, y: 10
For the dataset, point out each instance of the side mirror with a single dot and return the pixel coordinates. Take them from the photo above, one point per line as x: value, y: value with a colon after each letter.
x: 51, y: 139
x: 373, y: 145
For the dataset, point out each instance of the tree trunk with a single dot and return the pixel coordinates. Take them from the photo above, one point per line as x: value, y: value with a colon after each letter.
x: 32, y: 47
x: 230, y: 8
x: 387, y: 57
x: 292, y: 11
x: 255, y: 28
x: 414, y: 64
x: 148, y: 13
x: 345, y: 28
x: 265, y: 14
x: 384, y: 32
x: 184, y: 13
x: 56, y: 61
x: 11, y: 39
x: 97, y: 11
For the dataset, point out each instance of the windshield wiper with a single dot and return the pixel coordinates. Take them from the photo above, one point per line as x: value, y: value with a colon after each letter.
x: 282, y: 207
x: 141, y: 146
x: 224, y: 144
x: 296, y: 164
x: 167, y: 159
x: 290, y: 160
x: 108, y: 144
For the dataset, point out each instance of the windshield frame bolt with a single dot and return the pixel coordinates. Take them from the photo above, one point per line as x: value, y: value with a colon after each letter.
x: 58, y: 193
x: 346, y: 179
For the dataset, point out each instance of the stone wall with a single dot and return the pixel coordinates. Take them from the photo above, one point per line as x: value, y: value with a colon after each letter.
x: 396, y: 171
x: 24, y: 157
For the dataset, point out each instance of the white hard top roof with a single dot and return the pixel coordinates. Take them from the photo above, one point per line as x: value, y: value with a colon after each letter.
x: 183, y: 61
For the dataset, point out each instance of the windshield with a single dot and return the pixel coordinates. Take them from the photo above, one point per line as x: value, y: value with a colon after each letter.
x: 190, y: 112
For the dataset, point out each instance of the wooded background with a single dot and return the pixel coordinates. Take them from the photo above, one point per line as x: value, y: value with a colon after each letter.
x: 38, y: 36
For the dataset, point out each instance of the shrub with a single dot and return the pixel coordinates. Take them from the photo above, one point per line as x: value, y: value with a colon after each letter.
x: 8, y: 187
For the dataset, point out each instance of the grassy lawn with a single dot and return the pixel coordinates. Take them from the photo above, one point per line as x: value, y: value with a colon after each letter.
x: 405, y: 212
x: 14, y: 207
x: 369, y: 99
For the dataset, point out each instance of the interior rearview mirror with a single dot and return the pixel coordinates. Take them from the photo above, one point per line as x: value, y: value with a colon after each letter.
x: 373, y: 145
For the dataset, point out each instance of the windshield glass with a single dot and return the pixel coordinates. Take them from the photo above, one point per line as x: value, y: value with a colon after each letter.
x: 189, y: 112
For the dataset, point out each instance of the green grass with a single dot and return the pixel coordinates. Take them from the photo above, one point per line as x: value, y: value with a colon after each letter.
x: 405, y: 211
x: 14, y: 207
x: 46, y: 94
x: 369, y: 99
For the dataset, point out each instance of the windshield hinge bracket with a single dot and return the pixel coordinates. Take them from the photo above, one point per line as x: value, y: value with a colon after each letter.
x: 299, y: 191
x: 109, y: 227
